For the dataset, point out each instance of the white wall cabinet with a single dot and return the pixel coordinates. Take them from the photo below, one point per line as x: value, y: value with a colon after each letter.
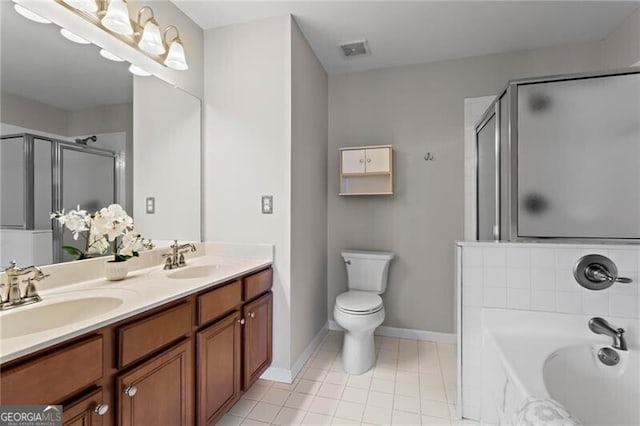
x: 366, y: 170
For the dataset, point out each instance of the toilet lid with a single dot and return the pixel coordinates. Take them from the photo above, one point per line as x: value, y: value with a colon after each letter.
x: 359, y: 302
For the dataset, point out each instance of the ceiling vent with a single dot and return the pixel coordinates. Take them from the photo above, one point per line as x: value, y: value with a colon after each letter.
x: 356, y: 48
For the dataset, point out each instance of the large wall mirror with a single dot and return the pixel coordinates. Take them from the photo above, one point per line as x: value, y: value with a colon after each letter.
x: 78, y: 129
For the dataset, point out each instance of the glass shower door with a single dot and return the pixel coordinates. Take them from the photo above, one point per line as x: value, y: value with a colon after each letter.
x: 578, y: 158
x: 488, y: 214
x: 88, y: 180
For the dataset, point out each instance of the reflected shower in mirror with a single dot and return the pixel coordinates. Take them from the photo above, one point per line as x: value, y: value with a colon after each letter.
x: 67, y: 139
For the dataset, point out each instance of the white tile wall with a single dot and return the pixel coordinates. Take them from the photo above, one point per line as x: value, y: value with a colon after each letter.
x: 535, y: 277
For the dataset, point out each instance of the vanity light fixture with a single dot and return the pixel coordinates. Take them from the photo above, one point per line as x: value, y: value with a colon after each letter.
x: 136, y: 70
x: 112, y: 16
x: 175, y: 57
x: 88, y: 6
x: 30, y: 15
x: 110, y: 56
x: 150, y: 38
x: 116, y: 18
x: 73, y: 37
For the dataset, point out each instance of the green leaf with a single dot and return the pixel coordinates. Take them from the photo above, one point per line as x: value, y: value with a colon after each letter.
x: 120, y: 257
x: 72, y: 251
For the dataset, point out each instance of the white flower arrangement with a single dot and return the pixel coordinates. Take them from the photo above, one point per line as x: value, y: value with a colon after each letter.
x: 109, y: 230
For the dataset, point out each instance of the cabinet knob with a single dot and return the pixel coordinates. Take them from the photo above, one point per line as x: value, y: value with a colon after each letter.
x: 241, y: 321
x: 101, y: 409
x: 368, y: 160
x: 252, y: 314
x: 130, y: 391
x: 361, y: 160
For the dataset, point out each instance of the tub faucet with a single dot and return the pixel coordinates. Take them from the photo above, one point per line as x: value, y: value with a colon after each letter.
x: 601, y: 326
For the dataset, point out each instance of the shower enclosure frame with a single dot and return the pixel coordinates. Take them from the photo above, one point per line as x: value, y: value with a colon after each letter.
x: 57, y: 148
x: 507, y: 151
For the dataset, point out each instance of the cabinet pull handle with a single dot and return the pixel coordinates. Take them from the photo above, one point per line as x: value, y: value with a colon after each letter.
x: 101, y: 409
x: 252, y: 314
x: 241, y: 321
x: 130, y: 391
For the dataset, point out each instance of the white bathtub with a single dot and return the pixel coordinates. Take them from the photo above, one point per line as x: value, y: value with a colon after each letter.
x: 546, y: 355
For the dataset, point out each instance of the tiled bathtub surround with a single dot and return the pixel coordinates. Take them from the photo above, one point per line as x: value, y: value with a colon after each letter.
x: 532, y: 277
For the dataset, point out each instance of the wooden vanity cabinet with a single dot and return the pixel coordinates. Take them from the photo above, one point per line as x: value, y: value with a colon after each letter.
x: 87, y: 411
x: 185, y: 363
x: 257, y: 338
x: 159, y: 391
x: 219, y: 349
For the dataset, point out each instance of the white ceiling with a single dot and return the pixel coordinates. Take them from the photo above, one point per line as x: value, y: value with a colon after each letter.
x: 39, y: 64
x: 401, y: 33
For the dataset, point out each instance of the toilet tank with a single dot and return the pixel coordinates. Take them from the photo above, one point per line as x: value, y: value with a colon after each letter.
x: 367, y: 270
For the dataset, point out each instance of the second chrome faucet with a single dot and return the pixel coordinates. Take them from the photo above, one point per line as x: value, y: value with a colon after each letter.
x: 175, y: 258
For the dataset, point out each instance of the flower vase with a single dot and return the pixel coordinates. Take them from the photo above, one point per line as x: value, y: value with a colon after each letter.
x: 116, y: 271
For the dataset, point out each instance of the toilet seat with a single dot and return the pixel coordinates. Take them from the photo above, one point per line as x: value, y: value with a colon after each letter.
x: 355, y: 302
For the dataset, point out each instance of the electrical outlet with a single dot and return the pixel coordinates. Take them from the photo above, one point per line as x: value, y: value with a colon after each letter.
x: 267, y: 204
x: 151, y: 205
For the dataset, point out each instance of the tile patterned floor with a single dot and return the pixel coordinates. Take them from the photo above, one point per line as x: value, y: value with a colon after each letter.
x: 412, y: 383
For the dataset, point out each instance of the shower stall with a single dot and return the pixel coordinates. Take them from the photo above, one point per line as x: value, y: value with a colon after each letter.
x: 559, y: 158
x: 41, y: 174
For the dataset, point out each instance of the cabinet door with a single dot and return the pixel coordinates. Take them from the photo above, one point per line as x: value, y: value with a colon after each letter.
x: 158, y: 392
x: 257, y: 338
x: 88, y: 411
x: 219, y: 367
x: 378, y: 160
x: 352, y: 161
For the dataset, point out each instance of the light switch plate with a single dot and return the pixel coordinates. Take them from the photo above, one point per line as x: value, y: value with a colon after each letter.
x: 267, y: 204
x: 150, y: 205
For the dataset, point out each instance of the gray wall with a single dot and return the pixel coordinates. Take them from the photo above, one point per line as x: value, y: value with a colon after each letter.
x: 309, y: 89
x: 34, y: 115
x: 420, y: 108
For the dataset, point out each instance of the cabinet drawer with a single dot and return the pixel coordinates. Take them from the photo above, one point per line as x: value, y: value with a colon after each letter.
x: 51, y: 378
x: 256, y: 284
x: 84, y: 412
x: 143, y: 337
x: 217, y: 302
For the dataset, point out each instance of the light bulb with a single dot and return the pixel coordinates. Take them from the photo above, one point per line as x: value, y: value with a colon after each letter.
x: 117, y: 18
x: 110, y: 56
x: 176, y: 57
x: 73, y: 37
x: 151, y: 40
x: 30, y: 15
x: 134, y: 69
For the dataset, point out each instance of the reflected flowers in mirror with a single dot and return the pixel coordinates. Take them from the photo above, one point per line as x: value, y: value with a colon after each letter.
x: 109, y: 230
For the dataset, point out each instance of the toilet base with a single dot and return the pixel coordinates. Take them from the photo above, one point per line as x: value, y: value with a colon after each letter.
x: 358, y: 352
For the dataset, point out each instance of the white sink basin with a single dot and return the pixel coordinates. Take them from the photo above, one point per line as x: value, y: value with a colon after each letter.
x: 196, y: 271
x: 43, y: 316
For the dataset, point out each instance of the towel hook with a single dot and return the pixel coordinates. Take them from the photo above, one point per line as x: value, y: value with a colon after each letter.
x: 429, y: 157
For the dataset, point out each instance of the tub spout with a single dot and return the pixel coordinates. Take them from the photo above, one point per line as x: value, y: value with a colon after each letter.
x: 601, y: 326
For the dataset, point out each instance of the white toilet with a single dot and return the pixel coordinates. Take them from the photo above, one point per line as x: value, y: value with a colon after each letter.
x: 360, y: 311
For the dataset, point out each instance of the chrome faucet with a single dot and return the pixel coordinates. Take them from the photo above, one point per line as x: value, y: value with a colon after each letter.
x: 601, y: 326
x: 14, y: 295
x: 175, y: 258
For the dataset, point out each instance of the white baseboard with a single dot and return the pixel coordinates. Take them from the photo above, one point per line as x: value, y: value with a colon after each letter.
x: 407, y: 333
x: 306, y: 354
x: 279, y: 374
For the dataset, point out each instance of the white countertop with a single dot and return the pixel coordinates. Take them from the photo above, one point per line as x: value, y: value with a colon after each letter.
x: 143, y: 289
